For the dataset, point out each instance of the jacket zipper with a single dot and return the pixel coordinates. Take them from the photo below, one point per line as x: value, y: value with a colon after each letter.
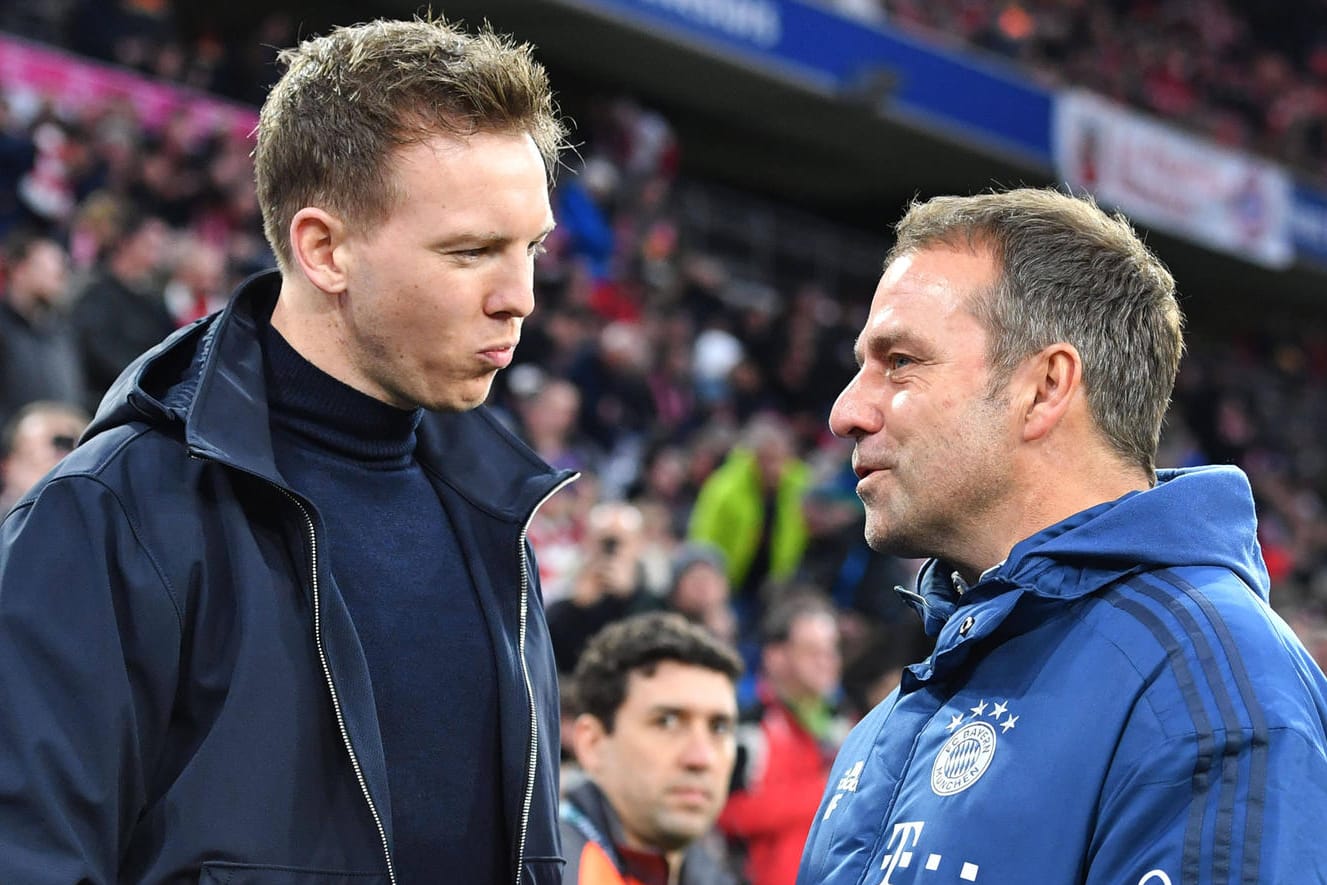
x: 331, y: 687
x: 533, y: 762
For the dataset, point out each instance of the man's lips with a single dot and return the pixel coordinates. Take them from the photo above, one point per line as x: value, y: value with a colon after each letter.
x: 499, y: 355
x: 692, y: 795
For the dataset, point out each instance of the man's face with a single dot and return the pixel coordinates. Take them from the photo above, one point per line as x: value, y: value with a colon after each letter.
x: 932, y: 448
x: 40, y: 441
x: 772, y: 456
x: 141, y: 255
x: 553, y: 411
x: 435, y: 294
x: 700, y: 589
x: 42, y: 276
x: 665, y: 765
x: 808, y: 664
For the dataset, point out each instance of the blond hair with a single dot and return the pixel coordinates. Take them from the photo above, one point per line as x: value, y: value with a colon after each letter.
x: 349, y: 99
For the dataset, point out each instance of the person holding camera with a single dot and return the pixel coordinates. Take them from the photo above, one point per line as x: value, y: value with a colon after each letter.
x: 608, y: 586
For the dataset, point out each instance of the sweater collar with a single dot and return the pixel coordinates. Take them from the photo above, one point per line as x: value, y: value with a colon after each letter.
x: 209, y: 378
x: 327, y: 414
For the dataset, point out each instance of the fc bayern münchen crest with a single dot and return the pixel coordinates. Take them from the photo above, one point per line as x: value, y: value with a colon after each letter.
x: 963, y: 759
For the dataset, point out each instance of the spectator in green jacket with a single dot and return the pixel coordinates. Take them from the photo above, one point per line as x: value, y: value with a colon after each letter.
x: 751, y: 509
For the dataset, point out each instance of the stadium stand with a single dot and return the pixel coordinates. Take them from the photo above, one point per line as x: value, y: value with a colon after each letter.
x: 1250, y: 76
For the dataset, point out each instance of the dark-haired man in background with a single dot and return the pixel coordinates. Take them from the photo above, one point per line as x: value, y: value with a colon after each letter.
x: 657, y: 702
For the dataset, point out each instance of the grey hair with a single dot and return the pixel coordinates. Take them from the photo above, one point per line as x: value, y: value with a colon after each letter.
x: 1069, y: 272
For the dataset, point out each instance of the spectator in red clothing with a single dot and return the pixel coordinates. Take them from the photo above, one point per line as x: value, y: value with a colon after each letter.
x: 788, y: 741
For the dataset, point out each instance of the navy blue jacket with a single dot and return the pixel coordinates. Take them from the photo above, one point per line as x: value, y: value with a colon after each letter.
x: 183, y: 697
x: 1115, y: 704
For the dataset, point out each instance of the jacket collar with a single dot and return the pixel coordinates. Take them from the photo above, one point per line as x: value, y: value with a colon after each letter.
x: 647, y: 867
x: 1096, y: 547
x: 208, y: 378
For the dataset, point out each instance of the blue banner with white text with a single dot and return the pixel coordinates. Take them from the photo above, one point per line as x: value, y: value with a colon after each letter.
x: 1308, y: 225
x: 981, y: 103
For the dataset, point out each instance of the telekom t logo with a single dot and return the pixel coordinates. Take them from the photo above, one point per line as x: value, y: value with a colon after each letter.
x: 903, y: 840
x: 906, y: 835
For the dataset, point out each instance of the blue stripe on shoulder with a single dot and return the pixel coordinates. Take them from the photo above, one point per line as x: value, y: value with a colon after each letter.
x: 1146, y: 601
x: 1193, y: 831
x: 1259, y: 739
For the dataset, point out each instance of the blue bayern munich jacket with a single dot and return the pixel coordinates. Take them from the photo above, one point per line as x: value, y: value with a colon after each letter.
x: 183, y: 697
x: 1115, y: 704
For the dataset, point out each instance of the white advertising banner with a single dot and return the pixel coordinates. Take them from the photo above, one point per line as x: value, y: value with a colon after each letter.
x: 1171, y: 181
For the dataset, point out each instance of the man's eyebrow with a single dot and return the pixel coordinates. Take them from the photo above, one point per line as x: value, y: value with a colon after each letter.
x: 490, y: 238
x: 470, y: 238
x: 682, y: 710
x: 882, y: 343
x: 669, y: 708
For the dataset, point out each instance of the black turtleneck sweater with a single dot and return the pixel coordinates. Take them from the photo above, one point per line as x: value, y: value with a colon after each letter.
x: 393, y: 556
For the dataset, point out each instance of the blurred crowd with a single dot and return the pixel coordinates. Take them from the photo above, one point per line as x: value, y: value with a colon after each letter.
x: 202, y: 46
x: 692, y: 398
x: 1249, y: 76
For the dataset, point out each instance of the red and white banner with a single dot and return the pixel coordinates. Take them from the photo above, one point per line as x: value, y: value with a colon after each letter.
x: 33, y: 73
x: 1162, y: 178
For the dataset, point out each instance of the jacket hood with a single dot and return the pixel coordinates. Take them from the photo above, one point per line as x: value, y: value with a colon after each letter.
x: 1200, y: 516
x: 208, y: 379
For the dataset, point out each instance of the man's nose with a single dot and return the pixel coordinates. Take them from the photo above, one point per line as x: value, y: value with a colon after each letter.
x: 512, y: 291
x: 701, y: 751
x: 853, y: 415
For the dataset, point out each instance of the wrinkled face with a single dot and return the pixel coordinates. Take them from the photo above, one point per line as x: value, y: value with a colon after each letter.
x: 932, y: 448
x: 435, y: 294
x: 665, y: 765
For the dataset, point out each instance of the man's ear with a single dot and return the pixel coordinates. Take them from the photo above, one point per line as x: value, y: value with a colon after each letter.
x: 587, y: 740
x: 317, y: 239
x: 1051, y: 381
